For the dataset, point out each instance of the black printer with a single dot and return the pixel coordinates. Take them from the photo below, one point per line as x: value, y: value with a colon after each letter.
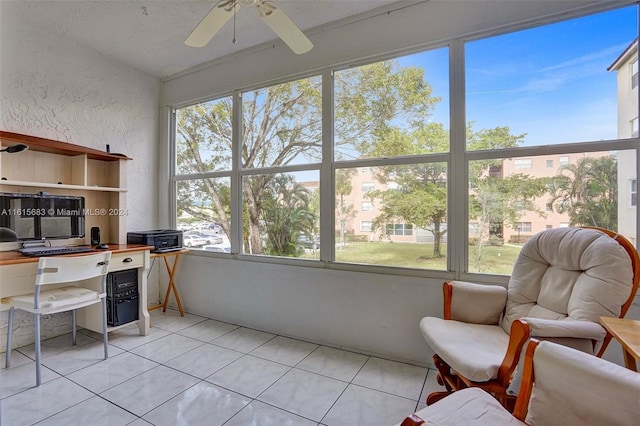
x: 163, y: 240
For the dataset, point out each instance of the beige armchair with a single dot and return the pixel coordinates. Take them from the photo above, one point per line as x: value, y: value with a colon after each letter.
x: 560, y: 386
x: 564, y: 279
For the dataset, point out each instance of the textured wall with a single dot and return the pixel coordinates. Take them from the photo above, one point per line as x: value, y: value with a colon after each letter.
x: 53, y: 88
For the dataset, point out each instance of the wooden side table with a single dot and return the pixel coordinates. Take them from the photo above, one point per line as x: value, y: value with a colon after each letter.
x: 171, y: 270
x: 627, y: 332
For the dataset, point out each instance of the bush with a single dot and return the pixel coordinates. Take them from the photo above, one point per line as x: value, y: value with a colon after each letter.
x: 495, y: 241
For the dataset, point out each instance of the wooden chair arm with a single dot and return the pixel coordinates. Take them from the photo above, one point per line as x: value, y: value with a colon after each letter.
x: 518, y: 336
x: 447, y: 290
x: 412, y: 420
x: 526, y: 385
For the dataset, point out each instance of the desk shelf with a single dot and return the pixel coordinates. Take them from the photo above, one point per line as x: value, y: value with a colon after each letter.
x: 60, y: 186
x: 62, y: 168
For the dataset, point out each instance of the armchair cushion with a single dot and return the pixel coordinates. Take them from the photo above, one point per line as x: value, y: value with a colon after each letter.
x: 477, y: 303
x: 574, y: 273
x: 544, y: 328
x: 455, y: 341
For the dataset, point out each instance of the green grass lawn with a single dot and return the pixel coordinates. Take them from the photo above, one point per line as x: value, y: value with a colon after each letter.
x: 498, y: 260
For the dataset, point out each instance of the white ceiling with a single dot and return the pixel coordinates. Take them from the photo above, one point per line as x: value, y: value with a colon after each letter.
x: 149, y: 34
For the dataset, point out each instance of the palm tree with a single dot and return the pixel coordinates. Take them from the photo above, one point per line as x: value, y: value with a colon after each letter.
x: 588, y: 192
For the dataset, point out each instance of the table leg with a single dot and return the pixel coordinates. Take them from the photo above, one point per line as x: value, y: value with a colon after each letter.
x: 171, y: 270
x: 629, y: 360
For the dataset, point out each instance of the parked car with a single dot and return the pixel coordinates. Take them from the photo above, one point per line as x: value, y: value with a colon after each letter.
x: 216, y: 228
x: 208, y: 238
x: 213, y: 239
x: 308, y: 243
x: 217, y: 249
x: 193, y: 240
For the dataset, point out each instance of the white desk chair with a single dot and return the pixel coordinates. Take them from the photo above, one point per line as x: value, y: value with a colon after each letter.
x: 57, y: 270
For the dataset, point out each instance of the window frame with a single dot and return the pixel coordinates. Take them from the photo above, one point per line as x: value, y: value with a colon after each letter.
x: 457, y: 160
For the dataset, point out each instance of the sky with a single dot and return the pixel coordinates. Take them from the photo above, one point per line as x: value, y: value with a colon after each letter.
x: 550, y: 83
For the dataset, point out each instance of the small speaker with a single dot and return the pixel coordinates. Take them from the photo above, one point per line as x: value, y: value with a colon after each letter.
x: 95, y: 236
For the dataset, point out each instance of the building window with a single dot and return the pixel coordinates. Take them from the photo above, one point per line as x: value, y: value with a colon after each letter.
x: 368, y: 186
x: 523, y: 226
x: 634, y: 128
x: 563, y: 161
x: 522, y: 163
x: 549, y: 164
x: 399, y: 229
x: 634, y: 192
x: 549, y: 227
x: 366, y: 206
x: 634, y: 74
x: 366, y: 226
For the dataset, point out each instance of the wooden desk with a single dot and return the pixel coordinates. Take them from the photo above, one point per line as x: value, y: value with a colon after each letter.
x: 18, y: 274
x: 627, y: 332
x: 171, y: 270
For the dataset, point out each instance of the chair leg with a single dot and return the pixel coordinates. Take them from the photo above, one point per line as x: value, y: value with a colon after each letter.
x: 9, y: 337
x: 73, y: 327
x: 444, y: 378
x: 37, y: 336
x: 105, y: 335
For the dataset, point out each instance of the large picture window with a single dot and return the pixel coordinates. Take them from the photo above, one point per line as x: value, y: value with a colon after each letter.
x: 390, y: 165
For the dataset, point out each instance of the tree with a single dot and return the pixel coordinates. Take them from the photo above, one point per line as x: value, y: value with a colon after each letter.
x: 282, y: 124
x: 344, y: 211
x: 418, y: 194
x: 285, y: 216
x: 588, y: 192
x: 496, y: 200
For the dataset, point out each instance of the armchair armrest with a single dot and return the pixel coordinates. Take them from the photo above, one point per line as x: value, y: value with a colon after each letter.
x: 474, y: 303
x: 565, y: 328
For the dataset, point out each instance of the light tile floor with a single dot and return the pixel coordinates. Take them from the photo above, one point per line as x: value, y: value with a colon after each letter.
x: 193, y: 370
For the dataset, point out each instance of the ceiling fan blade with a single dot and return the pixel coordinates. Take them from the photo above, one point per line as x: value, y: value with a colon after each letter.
x: 211, y: 23
x: 284, y: 27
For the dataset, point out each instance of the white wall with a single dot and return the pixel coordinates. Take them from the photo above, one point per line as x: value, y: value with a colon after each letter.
x: 370, y: 313
x: 53, y: 88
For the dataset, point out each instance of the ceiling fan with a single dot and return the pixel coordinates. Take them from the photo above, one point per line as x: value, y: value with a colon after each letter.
x: 270, y: 14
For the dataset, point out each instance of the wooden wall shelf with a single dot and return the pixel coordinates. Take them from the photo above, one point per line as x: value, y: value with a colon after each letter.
x: 56, y: 147
x: 62, y: 168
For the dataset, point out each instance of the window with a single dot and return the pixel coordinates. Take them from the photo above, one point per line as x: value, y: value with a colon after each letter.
x: 546, y: 132
x: 204, y: 150
x: 634, y: 192
x: 396, y: 163
x: 541, y: 85
x: 634, y: 74
x: 282, y: 130
x: 399, y: 229
x: 368, y: 186
x: 522, y: 163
